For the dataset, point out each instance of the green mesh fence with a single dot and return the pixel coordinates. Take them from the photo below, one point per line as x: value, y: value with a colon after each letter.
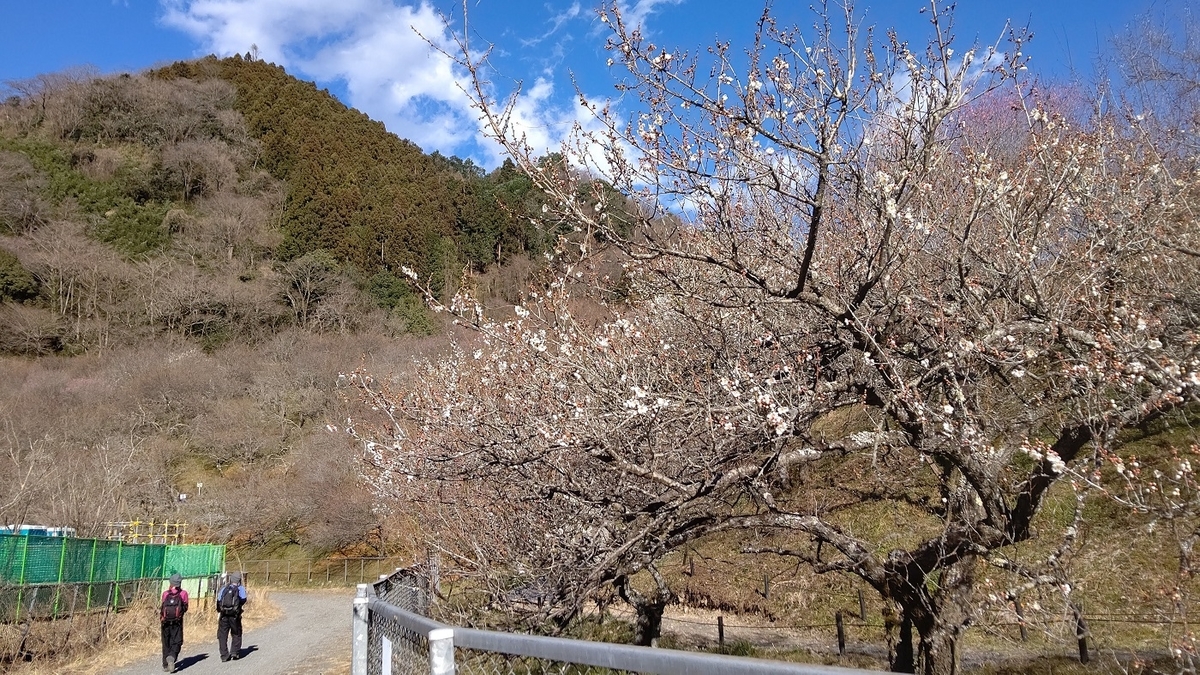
x: 101, y: 572
x: 194, y: 560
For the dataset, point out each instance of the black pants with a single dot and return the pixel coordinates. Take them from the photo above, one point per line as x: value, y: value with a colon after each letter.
x: 226, y: 626
x: 172, y: 640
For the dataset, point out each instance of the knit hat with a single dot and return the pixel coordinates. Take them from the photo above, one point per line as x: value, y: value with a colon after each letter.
x: 235, y: 577
x: 176, y: 580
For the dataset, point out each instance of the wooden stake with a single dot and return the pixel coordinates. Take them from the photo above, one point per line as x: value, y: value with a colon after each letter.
x: 1021, y: 619
x: 1081, y: 633
x: 841, y: 632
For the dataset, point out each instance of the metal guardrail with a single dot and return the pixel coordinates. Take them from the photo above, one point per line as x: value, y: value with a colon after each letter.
x: 392, y: 639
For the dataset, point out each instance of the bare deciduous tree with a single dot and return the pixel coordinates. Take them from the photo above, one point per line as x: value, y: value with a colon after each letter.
x: 204, y: 167
x: 29, y: 331
x: 237, y: 226
x: 21, y: 206
x: 81, y: 277
x: 306, y: 281
x: 56, y: 98
x: 841, y: 306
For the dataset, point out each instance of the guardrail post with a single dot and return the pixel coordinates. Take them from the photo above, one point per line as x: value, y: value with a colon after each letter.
x: 441, y: 651
x: 358, y: 651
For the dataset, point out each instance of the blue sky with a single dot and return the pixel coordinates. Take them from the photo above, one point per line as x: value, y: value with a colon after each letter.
x: 368, y: 54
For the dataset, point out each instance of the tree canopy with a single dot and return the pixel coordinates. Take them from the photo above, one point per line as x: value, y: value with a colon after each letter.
x: 847, y: 296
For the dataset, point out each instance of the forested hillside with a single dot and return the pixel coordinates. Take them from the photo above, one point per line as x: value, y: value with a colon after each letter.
x: 364, y: 195
x: 188, y: 258
x: 938, y: 349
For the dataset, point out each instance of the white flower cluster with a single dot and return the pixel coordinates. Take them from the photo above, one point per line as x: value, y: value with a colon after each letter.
x: 779, y: 423
x: 640, y: 402
x: 1039, y: 452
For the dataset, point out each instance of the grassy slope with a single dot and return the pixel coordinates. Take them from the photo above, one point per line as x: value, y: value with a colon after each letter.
x: 1123, y: 573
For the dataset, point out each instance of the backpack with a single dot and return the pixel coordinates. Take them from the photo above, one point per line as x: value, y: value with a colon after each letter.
x: 229, y: 603
x: 172, y: 606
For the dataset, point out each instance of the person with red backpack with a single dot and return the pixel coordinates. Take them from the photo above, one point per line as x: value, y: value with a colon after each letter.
x: 230, y: 600
x: 170, y: 612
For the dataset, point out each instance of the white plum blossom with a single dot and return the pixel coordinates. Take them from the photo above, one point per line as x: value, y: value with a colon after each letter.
x: 940, y: 296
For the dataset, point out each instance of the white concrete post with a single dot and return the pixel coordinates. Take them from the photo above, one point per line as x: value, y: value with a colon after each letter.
x: 441, y: 651
x: 358, y: 651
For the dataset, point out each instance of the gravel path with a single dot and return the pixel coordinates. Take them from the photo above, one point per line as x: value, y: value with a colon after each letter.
x: 311, y: 637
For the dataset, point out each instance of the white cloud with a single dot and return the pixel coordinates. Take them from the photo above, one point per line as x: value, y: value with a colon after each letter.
x: 394, y: 75
x: 380, y: 49
x: 377, y: 48
x: 556, y: 22
x: 280, y: 29
x: 635, y: 15
x: 541, y: 123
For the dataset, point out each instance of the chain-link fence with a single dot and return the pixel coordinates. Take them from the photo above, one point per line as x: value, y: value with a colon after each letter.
x: 393, y: 635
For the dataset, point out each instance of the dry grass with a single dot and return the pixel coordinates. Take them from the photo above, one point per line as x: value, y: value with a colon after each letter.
x: 127, y: 636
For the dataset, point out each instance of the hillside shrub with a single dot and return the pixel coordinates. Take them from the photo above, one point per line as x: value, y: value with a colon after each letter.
x: 134, y: 229
x: 17, y: 284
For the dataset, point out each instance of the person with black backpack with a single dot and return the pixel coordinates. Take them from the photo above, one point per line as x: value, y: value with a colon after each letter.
x: 170, y: 613
x: 230, y: 600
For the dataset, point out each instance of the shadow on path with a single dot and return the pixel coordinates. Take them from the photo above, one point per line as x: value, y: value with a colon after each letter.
x: 311, y: 636
x: 247, y: 651
x: 188, y: 661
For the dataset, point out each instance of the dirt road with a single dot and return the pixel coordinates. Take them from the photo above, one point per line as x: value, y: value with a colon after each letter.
x: 310, y: 637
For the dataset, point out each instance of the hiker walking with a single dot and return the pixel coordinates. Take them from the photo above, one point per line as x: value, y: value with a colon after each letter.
x: 229, y: 622
x: 174, y: 606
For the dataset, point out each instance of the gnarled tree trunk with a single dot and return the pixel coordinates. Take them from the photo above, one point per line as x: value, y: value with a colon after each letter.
x: 939, y: 609
x: 649, y: 608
